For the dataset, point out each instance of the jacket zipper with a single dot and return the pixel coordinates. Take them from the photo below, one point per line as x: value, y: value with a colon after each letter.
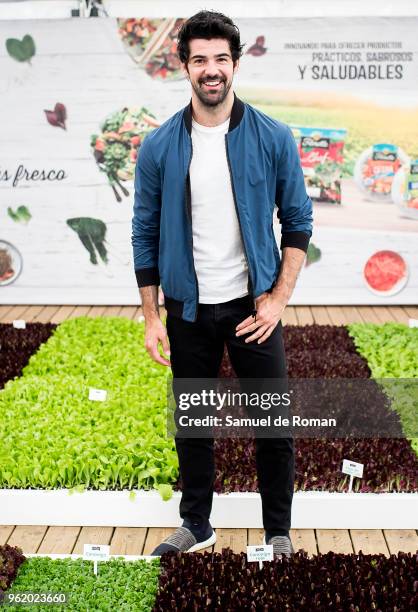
x: 189, y: 215
x: 250, y: 281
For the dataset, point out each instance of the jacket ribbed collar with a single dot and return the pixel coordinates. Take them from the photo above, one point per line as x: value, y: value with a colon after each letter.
x: 237, y: 112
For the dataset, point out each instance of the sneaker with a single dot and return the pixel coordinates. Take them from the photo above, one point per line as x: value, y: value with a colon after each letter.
x: 282, y: 546
x: 187, y: 538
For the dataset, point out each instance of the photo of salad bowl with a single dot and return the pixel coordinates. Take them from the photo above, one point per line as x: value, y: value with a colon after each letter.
x: 10, y: 263
x: 115, y: 148
x: 152, y: 44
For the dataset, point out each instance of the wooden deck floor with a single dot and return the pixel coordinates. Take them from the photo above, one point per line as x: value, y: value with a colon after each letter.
x: 141, y: 540
x: 294, y: 315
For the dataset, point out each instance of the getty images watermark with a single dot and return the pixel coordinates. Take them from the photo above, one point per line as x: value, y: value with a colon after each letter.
x: 304, y: 408
x: 232, y: 399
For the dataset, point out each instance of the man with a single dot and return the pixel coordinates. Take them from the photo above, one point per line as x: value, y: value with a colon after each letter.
x: 206, y: 184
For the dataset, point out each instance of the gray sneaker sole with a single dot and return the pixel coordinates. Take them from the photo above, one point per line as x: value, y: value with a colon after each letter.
x: 292, y: 551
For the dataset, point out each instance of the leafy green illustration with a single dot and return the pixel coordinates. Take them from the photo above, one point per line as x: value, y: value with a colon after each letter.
x: 20, y: 215
x: 313, y: 254
x: 92, y: 233
x: 21, y: 50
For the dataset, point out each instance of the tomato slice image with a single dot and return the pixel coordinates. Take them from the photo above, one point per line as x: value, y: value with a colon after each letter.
x: 385, y: 273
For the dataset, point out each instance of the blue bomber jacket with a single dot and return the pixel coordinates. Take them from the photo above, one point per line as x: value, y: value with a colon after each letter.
x: 265, y: 170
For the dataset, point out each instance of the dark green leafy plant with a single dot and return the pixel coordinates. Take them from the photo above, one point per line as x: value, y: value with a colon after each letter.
x: 21, y: 50
x: 119, y: 585
x: 92, y: 233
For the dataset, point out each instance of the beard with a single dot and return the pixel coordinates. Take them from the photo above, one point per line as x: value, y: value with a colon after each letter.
x: 212, y: 98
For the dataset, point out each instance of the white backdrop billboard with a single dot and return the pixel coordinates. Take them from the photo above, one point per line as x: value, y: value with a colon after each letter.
x: 78, y: 97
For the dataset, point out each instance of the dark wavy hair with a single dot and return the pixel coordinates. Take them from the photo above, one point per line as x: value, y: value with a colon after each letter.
x: 208, y: 24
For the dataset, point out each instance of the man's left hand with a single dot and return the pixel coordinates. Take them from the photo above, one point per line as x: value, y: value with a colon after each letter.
x: 269, y: 312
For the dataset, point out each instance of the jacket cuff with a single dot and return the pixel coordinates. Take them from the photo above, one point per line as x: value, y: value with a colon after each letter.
x: 147, y: 276
x: 298, y: 240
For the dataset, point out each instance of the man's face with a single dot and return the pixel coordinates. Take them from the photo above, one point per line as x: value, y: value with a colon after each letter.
x: 210, y: 69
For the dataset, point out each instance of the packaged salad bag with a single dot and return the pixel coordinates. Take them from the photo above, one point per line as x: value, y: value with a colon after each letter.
x: 405, y: 190
x: 321, y: 156
x: 375, y: 170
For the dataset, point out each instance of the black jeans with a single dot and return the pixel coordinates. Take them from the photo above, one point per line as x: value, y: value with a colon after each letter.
x: 196, y: 352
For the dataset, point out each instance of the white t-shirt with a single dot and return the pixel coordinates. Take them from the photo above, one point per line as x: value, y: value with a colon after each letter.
x: 220, y: 263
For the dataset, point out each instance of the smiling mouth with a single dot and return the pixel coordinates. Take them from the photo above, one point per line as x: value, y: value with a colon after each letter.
x: 212, y: 84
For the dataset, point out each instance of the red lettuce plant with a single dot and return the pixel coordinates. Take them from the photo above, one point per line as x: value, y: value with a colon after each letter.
x: 10, y: 560
x: 320, y: 351
x: 18, y: 345
x: 337, y: 582
x: 316, y: 351
x: 390, y: 465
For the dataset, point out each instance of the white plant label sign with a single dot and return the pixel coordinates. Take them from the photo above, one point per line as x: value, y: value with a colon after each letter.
x: 95, y: 553
x: 263, y: 552
x: 19, y: 324
x: 97, y: 395
x: 352, y: 468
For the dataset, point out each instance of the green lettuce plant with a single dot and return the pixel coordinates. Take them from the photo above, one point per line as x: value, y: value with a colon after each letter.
x: 53, y: 436
x: 391, y: 351
x: 119, y: 584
